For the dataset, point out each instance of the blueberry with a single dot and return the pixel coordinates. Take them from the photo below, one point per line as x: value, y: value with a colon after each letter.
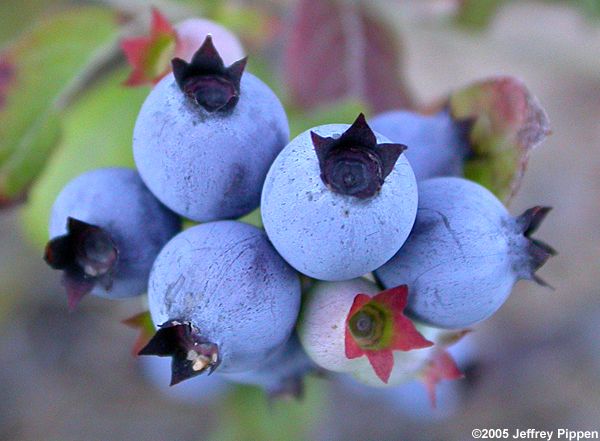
x: 199, y: 391
x: 339, y: 201
x: 221, y: 297
x: 283, y: 374
x: 437, y: 144
x: 106, y: 229
x: 206, y: 136
x: 464, y: 254
x: 350, y: 326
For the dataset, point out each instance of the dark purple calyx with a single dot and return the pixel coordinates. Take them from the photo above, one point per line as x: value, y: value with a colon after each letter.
x: 87, y: 255
x: 538, y: 251
x: 192, y: 354
x: 353, y: 164
x: 207, y: 81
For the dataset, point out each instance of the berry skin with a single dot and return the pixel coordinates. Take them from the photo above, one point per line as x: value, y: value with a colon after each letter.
x: 221, y: 297
x: 437, y: 144
x: 339, y: 201
x: 106, y: 229
x: 464, y: 254
x: 200, y: 391
x: 206, y: 136
x: 283, y: 375
x: 350, y: 326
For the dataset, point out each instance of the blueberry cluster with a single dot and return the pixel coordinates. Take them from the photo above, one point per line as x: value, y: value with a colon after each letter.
x: 372, y: 261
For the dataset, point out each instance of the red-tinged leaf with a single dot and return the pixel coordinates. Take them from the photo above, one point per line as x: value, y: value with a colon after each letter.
x: 160, y: 24
x: 382, y: 363
x: 504, y: 122
x: 143, y: 323
x: 339, y: 49
x: 149, y: 56
x: 441, y: 366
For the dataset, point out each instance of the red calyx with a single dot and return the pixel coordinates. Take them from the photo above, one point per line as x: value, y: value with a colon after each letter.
x: 441, y: 366
x: 145, y: 54
x: 87, y: 256
x: 354, y: 164
x: 376, y: 326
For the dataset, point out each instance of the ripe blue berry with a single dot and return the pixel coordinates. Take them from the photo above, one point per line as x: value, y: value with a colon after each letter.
x: 339, y: 201
x: 221, y: 296
x: 106, y: 229
x: 283, y: 374
x: 437, y: 144
x: 206, y: 136
x: 464, y: 254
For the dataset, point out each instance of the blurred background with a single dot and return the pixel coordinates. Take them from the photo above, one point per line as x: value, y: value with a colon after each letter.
x: 535, y: 364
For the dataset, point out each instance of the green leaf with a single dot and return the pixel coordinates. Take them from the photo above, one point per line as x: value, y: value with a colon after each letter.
x: 248, y: 416
x: 14, y: 19
x: 35, y: 73
x: 97, y: 132
x: 30, y: 155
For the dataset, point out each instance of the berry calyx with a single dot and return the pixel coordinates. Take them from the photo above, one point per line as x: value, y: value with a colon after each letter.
x: 87, y: 255
x: 192, y: 355
x: 207, y: 81
x: 441, y: 366
x: 538, y: 252
x: 376, y: 326
x: 354, y: 164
